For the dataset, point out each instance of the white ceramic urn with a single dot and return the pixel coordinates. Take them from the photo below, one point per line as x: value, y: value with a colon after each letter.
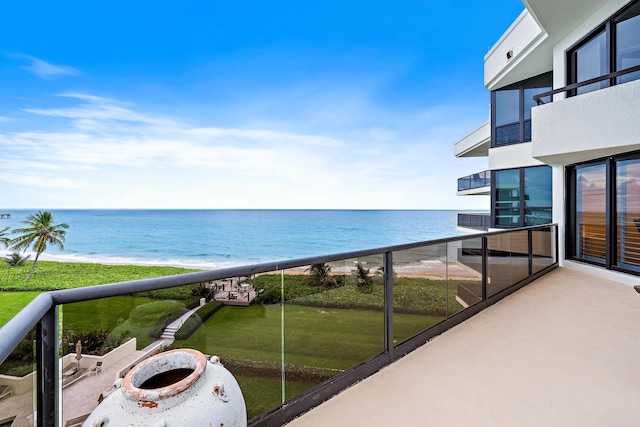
x: 174, y: 388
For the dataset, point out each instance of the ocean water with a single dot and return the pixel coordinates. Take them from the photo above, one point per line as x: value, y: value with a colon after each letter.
x: 211, y: 239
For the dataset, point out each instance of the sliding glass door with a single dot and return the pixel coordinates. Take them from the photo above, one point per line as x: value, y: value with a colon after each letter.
x: 628, y: 214
x: 591, y: 213
x: 604, y: 221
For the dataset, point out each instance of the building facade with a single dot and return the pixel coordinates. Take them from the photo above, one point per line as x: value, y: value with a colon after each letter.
x: 563, y: 137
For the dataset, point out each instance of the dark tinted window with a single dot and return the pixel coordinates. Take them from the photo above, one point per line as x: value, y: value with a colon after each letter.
x: 628, y: 43
x: 591, y: 62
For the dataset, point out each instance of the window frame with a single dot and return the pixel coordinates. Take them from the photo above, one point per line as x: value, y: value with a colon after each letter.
x: 609, y: 29
x: 521, y: 87
x: 522, y: 205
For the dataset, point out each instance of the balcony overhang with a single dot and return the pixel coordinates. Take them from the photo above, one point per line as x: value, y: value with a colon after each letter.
x: 526, y: 48
x: 523, y: 51
x: 476, y: 143
x: 590, y: 126
x: 480, y: 191
x: 557, y: 18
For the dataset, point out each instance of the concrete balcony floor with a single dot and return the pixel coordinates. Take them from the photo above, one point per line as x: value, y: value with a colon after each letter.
x: 563, y: 351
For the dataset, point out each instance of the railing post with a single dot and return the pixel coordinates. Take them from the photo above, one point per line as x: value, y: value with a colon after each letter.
x: 388, y: 305
x: 485, y: 264
x: 530, y: 238
x: 47, y: 366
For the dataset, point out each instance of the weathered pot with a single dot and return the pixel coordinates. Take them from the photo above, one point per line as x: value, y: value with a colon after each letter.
x: 174, y: 388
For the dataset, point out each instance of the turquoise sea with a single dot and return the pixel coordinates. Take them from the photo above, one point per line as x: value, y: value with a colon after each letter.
x: 220, y: 238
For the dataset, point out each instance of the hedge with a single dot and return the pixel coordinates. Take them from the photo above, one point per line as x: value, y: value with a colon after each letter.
x: 196, y: 319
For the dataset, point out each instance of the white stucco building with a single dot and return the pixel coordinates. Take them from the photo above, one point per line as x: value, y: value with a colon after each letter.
x: 575, y: 158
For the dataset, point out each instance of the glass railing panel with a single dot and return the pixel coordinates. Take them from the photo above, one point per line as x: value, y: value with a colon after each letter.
x: 464, y: 274
x: 420, y: 291
x: 464, y: 183
x: 102, y: 339
x: 17, y: 377
x: 476, y: 221
x: 477, y: 180
x: 543, y: 247
x: 334, y: 320
x: 242, y: 324
x: 498, y: 263
x: 215, y: 318
x: 519, y: 255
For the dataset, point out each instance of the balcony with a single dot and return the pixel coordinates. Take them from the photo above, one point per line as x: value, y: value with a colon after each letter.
x: 560, y: 352
x: 475, y: 144
x: 475, y: 184
x: 302, y: 341
x: 474, y: 221
x: 597, y: 124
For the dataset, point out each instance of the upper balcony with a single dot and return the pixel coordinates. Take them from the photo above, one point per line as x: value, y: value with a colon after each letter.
x: 597, y: 124
x: 476, y: 143
x: 475, y: 184
x: 474, y: 221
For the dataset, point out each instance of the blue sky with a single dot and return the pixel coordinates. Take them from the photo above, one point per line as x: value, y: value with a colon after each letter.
x: 212, y: 104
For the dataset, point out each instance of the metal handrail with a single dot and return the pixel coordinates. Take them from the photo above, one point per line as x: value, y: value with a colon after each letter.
x: 539, y: 101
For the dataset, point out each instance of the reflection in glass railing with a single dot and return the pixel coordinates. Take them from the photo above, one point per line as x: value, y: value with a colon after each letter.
x: 464, y: 273
x: 543, y: 248
x: 420, y: 297
x: 17, y: 377
x: 334, y: 320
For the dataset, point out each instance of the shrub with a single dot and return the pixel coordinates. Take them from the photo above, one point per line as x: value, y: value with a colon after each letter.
x: 264, y: 368
x: 166, y: 318
x: 196, y: 319
x: 97, y: 342
x: 295, y: 285
x: 16, y: 260
x: 202, y: 291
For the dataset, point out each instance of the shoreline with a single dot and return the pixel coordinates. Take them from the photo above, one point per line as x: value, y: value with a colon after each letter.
x: 429, y: 269
x: 126, y: 261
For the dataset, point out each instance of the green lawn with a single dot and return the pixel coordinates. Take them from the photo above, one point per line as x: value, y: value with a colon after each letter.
x: 51, y: 276
x: 264, y: 394
x: 13, y: 302
x: 314, y: 337
x: 326, y: 338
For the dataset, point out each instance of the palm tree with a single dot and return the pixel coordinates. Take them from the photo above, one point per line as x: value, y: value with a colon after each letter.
x: 41, y: 231
x: 363, y: 280
x: 16, y: 260
x: 319, y: 275
x: 4, y: 240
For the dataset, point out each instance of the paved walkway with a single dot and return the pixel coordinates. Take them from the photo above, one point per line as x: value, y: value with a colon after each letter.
x: 563, y: 351
x: 168, y: 335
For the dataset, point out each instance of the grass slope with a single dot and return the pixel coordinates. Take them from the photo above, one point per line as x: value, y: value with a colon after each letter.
x: 13, y: 302
x: 51, y: 276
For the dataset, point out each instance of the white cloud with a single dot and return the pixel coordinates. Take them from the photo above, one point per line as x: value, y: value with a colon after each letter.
x: 107, y: 153
x: 97, y: 109
x: 45, y: 69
